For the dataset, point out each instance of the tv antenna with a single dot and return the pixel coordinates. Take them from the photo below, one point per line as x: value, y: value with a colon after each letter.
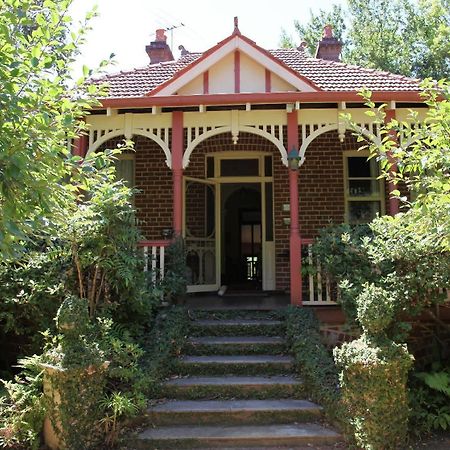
x: 171, y: 28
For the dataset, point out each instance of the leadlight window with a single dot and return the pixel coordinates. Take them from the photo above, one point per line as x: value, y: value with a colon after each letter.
x: 125, y: 169
x: 363, y: 189
x: 239, y: 167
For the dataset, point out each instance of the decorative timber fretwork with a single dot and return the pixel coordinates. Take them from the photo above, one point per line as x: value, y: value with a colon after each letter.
x: 270, y: 124
x: 154, y: 127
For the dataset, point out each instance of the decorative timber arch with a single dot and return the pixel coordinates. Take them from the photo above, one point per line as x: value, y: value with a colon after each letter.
x: 96, y: 139
x: 370, y: 130
x: 270, y: 136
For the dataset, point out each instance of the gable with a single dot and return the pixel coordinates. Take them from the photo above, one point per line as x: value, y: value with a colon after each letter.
x: 235, y: 65
x: 220, y: 78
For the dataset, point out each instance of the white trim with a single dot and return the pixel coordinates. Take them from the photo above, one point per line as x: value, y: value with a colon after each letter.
x: 133, y: 131
x: 330, y: 127
x: 235, y: 44
x: 228, y: 129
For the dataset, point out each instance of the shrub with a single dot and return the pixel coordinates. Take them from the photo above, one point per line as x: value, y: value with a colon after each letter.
x: 32, y: 291
x: 340, y: 250
x: 430, y: 399
x: 312, y: 359
x: 21, y: 408
x: 164, y: 344
x: 374, y: 395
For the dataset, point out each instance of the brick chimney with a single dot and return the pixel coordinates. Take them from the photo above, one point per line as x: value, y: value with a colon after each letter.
x: 158, y: 50
x: 329, y: 47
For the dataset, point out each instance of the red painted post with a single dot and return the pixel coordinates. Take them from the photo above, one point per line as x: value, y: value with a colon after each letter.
x: 394, y: 205
x: 237, y: 72
x: 295, y: 239
x: 268, y: 81
x: 206, y: 82
x: 177, y: 170
x: 80, y: 146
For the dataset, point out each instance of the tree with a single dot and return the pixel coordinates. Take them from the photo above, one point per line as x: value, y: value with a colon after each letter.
x: 311, y: 33
x: 40, y: 112
x: 400, y: 36
x: 398, y: 270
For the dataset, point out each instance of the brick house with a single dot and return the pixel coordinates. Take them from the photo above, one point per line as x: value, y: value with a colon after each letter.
x: 243, y: 152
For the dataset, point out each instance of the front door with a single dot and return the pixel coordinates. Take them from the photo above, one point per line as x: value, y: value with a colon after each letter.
x: 241, y: 236
x: 200, y: 234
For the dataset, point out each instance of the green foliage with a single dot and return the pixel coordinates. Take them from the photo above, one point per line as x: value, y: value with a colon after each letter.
x: 401, y: 36
x: 32, y: 290
x: 374, y: 395
x: 315, y: 364
x: 164, y: 343
x: 40, y: 110
x: 96, y: 368
x: 408, y: 258
x: 429, y: 397
x: 375, y: 309
x: 312, y: 32
x: 340, y: 250
x: 119, y: 406
x: 22, y: 409
x: 174, y: 283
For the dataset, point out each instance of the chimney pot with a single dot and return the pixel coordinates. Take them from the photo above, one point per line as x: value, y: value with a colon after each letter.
x: 329, y: 47
x: 160, y: 36
x: 158, y: 50
x: 328, y: 32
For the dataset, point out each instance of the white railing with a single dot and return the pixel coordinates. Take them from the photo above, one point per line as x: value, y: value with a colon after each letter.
x: 154, y: 257
x: 319, y: 290
x: 201, y: 264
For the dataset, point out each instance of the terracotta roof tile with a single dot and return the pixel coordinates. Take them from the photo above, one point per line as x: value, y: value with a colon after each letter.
x: 327, y: 75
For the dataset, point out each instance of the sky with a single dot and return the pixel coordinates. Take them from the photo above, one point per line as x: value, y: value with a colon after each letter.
x: 125, y: 27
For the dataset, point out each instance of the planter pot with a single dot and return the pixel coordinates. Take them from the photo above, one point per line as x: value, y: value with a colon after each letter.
x: 74, y: 392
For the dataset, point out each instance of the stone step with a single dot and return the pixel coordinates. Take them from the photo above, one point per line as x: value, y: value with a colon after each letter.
x: 232, y: 412
x: 255, y: 436
x: 237, y: 327
x: 235, y: 365
x: 233, y: 387
x: 229, y: 345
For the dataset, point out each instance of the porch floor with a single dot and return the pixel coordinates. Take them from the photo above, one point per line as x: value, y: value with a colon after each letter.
x: 245, y: 301
x: 259, y: 301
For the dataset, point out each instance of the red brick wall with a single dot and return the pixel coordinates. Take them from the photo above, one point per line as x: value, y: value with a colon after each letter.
x: 321, y: 186
x: 321, y: 183
x: 154, y: 181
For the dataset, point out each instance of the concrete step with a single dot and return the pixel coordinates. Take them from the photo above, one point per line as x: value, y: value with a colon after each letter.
x: 237, y: 327
x: 232, y: 412
x: 255, y: 436
x: 229, y: 345
x: 235, y: 365
x: 233, y: 387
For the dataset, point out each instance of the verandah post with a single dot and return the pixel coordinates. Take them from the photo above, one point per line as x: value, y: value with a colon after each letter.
x: 177, y: 170
x: 294, y: 239
x: 80, y: 146
x: 394, y: 205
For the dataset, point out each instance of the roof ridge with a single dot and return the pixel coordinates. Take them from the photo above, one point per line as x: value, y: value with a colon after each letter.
x: 365, y: 69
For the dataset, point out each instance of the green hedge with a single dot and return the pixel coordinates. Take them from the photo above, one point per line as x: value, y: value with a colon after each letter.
x: 164, y: 344
x: 312, y: 360
x: 374, y: 393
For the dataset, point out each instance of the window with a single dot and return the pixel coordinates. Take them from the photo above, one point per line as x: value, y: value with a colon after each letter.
x: 364, y: 192
x: 125, y: 169
x: 239, y: 167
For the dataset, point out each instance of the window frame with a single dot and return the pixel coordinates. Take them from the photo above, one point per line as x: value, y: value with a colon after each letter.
x: 128, y: 157
x: 379, y: 197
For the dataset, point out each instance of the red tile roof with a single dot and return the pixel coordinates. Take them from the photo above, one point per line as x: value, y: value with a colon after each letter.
x: 327, y: 75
